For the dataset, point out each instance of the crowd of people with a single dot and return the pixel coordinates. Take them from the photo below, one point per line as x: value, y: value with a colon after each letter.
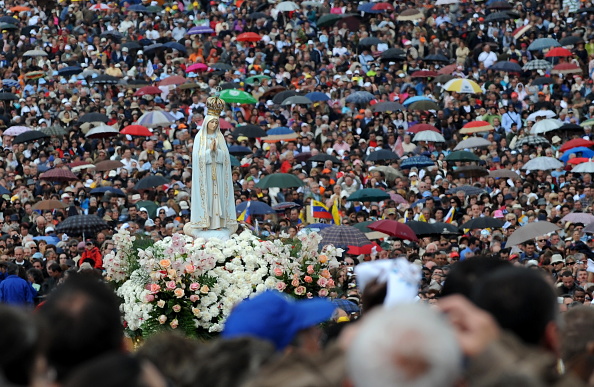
x: 378, y: 107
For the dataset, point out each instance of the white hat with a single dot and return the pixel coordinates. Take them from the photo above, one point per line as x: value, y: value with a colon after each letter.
x: 49, y: 228
x: 556, y: 258
x: 149, y: 223
x: 65, y: 196
x: 143, y: 209
x: 136, y: 197
x: 125, y: 49
x: 184, y: 205
x: 112, y: 173
x: 412, y: 174
x: 67, y: 47
x: 140, y: 52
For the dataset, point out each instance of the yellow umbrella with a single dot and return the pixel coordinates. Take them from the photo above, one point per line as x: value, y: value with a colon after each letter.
x: 463, y: 86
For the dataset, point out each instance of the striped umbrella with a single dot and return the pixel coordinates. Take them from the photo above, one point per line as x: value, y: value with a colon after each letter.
x: 532, y: 140
x: 156, y: 118
x: 476, y: 127
x: 537, y: 64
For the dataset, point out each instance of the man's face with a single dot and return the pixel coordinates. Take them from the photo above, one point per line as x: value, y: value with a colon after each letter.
x: 567, y: 281
x: 530, y: 249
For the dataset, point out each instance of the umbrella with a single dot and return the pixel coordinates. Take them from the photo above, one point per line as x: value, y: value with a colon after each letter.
x: 100, y: 7
x: 381, y: 155
x: 105, y: 79
x: 256, y: 78
x: 467, y: 189
x: 256, y: 208
x: 368, y: 7
x: 538, y: 64
x: 237, y: 96
x: 317, y: 226
x: 422, y: 228
x: 370, y: 41
x: 542, y: 163
x: 82, y: 225
x: 443, y: 78
x: 348, y: 306
x: 532, y: 141
x: 546, y: 125
x: 58, y: 174
x: 9, y: 19
x: 50, y: 240
x: 410, y: 15
x: 34, y: 74
x: 102, y: 131
x: 387, y: 107
x: 360, y: 97
x: 221, y: 66
x: 137, y: 130
x: 472, y: 142
x: 445, y: 228
x: 463, y: 86
x: 132, y: 45
x: 578, y: 217
x: 507, y: 66
x: 576, y: 142
x: 428, y: 135
x: 449, y: 69
x: 173, y: 80
x: 483, y: 222
x: 108, y: 165
x: 148, y: 90
x: 249, y: 37
x: 16, y: 130
x: 10, y: 83
x: 285, y: 206
x: 317, y: 96
x: 411, y: 100
x: 297, y: 100
x: 578, y: 160
x: 499, y: 5
x: 323, y: 157
x: 530, y: 231
x: 570, y: 40
x: 273, y: 91
x: 287, y: 6
x: 436, y: 58
x: 328, y: 20
x: 34, y: 52
x: 281, y: 133
x: 280, y: 180
x: 368, y: 195
x: 250, y: 131
x: 343, y: 236
x: 497, y: 16
x: 30, y: 136
x: 156, y: 118
x: 579, y: 151
x: 470, y: 172
x: 196, y: 67
x: 281, y: 96
x: 541, y: 114
x: 394, y: 229
x: 239, y: 150
x: 393, y: 54
x: 462, y: 156
x: 70, y: 70
x: 151, y: 182
x: 423, y: 105
x: 424, y: 74
x: 569, y: 127
x: 8, y: 97
x: 111, y: 190
x: 589, y: 122
x: 540, y: 81
x: 196, y: 30
x: 587, y: 167
x: 417, y: 162
x: 93, y: 117
x: 137, y: 8
x: 175, y: 46
x: 559, y: 52
x: 391, y: 173
x: 504, y: 174
x: 48, y: 205
x: 566, y: 68
x: 422, y: 128
x: 257, y: 15
x: 542, y: 43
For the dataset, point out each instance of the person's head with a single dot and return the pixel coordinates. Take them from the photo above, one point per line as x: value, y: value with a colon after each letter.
x: 577, y: 341
x: 464, y: 275
x: 407, y: 345
x: 567, y: 279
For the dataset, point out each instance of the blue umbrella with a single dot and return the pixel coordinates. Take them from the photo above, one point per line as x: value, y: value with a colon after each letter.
x: 156, y: 47
x: 50, y: 240
x: 4, y: 191
x: 10, y: 83
x: 418, y: 98
x: 175, y: 46
x: 360, y: 97
x: 112, y: 190
x: 69, y: 71
x: 542, y: 43
x: 317, y: 96
x: 368, y: 8
x: 8, y: 19
x: 507, y: 66
x: 279, y: 130
x: 417, y: 161
x: 585, y: 152
x: 319, y: 226
x: 256, y: 208
x: 239, y: 150
x: 137, y: 8
x: 200, y: 30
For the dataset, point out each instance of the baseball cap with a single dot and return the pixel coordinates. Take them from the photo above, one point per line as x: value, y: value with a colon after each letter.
x: 557, y: 258
x: 274, y: 317
x: 143, y: 209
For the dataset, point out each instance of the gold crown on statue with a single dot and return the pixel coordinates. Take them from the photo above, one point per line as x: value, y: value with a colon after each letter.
x: 215, y: 106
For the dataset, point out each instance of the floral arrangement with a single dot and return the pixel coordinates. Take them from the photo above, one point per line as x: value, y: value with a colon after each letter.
x: 192, y: 285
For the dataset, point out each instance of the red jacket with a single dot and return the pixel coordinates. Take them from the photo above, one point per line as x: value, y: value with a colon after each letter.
x: 95, y: 255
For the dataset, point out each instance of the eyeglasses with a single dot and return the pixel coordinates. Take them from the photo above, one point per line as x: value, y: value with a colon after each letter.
x: 570, y: 263
x: 541, y: 240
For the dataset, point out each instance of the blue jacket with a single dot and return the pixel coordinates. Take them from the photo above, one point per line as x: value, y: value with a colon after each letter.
x: 16, y: 291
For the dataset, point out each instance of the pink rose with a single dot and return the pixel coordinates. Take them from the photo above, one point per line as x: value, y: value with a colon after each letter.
x: 194, y: 286
x: 162, y: 319
x: 171, y: 285
x: 309, y: 295
x: 154, y: 288
x: 190, y: 268
x: 295, y: 283
x: 176, y: 308
x: 325, y: 273
x: 300, y: 290
x: 194, y: 298
x: 174, y: 324
x: 204, y: 289
x: 330, y: 283
x: 308, y: 279
x: 149, y: 298
x: 281, y: 286
x: 323, y: 293
x: 322, y: 282
x: 278, y: 272
x: 310, y: 269
x: 179, y: 293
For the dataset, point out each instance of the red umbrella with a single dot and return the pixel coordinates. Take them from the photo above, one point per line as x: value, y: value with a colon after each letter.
x: 566, y: 68
x: 576, y: 142
x: 58, y: 174
x: 383, y: 7
x: 224, y: 124
x: 136, y: 130
x: 173, y: 80
x: 358, y: 250
x: 424, y: 74
x: 196, y: 67
x: 421, y: 127
x: 395, y: 229
x: 249, y: 37
x: 578, y: 160
x: 148, y: 90
x: 558, y: 51
x: 449, y: 69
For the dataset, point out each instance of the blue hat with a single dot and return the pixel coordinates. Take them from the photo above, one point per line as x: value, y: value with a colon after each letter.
x: 426, y: 194
x: 496, y: 159
x: 37, y: 256
x: 275, y: 317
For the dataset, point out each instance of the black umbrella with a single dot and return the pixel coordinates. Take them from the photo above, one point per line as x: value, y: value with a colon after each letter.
x: 283, y: 95
x: 542, y: 81
x: 257, y: 15
x: 436, y: 58
x: 94, y: 117
x: 8, y: 97
x: 228, y: 85
x: 250, y: 131
x: 371, y: 41
x: 467, y: 189
x: 154, y: 48
x: 571, y: 40
x: 222, y: 66
x: 497, y: 16
x: 388, y: 107
x: 151, y: 182
x: 569, y: 126
x: 132, y: 45
x: 382, y: 154
x: 470, y: 172
x: 500, y: 5
x: 8, y: 19
x: 445, y: 228
x: 105, y: 79
x: 507, y: 66
x: 393, y: 54
x: 30, y: 136
x: 82, y: 225
x: 483, y: 222
x: 70, y: 70
x: 422, y: 228
x: 323, y: 157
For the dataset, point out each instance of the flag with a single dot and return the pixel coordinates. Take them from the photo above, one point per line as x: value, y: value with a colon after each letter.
x: 245, y: 215
x: 404, y: 219
x: 449, y: 216
x: 399, y: 149
x: 335, y: 212
x: 149, y: 69
x: 422, y: 218
x: 319, y: 210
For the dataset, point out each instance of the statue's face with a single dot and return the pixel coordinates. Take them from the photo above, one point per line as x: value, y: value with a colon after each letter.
x: 212, y: 125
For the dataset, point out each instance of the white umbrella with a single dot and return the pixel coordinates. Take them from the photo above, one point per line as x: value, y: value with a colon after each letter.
x: 446, y: 2
x: 578, y: 217
x: 542, y: 163
x: 428, y: 135
x: 35, y: 53
x: 287, y: 6
x: 584, y: 168
x: 102, y: 131
x: 546, y: 125
x: 530, y: 231
x: 81, y: 167
x: 472, y: 142
x: 311, y: 4
x: 155, y: 118
x: 541, y: 113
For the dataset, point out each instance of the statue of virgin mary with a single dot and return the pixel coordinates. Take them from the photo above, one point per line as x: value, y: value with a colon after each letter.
x: 213, y: 202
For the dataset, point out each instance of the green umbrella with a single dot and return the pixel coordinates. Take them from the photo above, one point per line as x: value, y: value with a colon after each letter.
x: 363, y: 226
x: 154, y: 8
x: 328, y: 20
x: 54, y: 131
x: 368, y: 195
x: 237, y: 96
x: 259, y: 78
x: 8, y: 26
x: 280, y: 180
x: 151, y: 207
x: 462, y: 156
